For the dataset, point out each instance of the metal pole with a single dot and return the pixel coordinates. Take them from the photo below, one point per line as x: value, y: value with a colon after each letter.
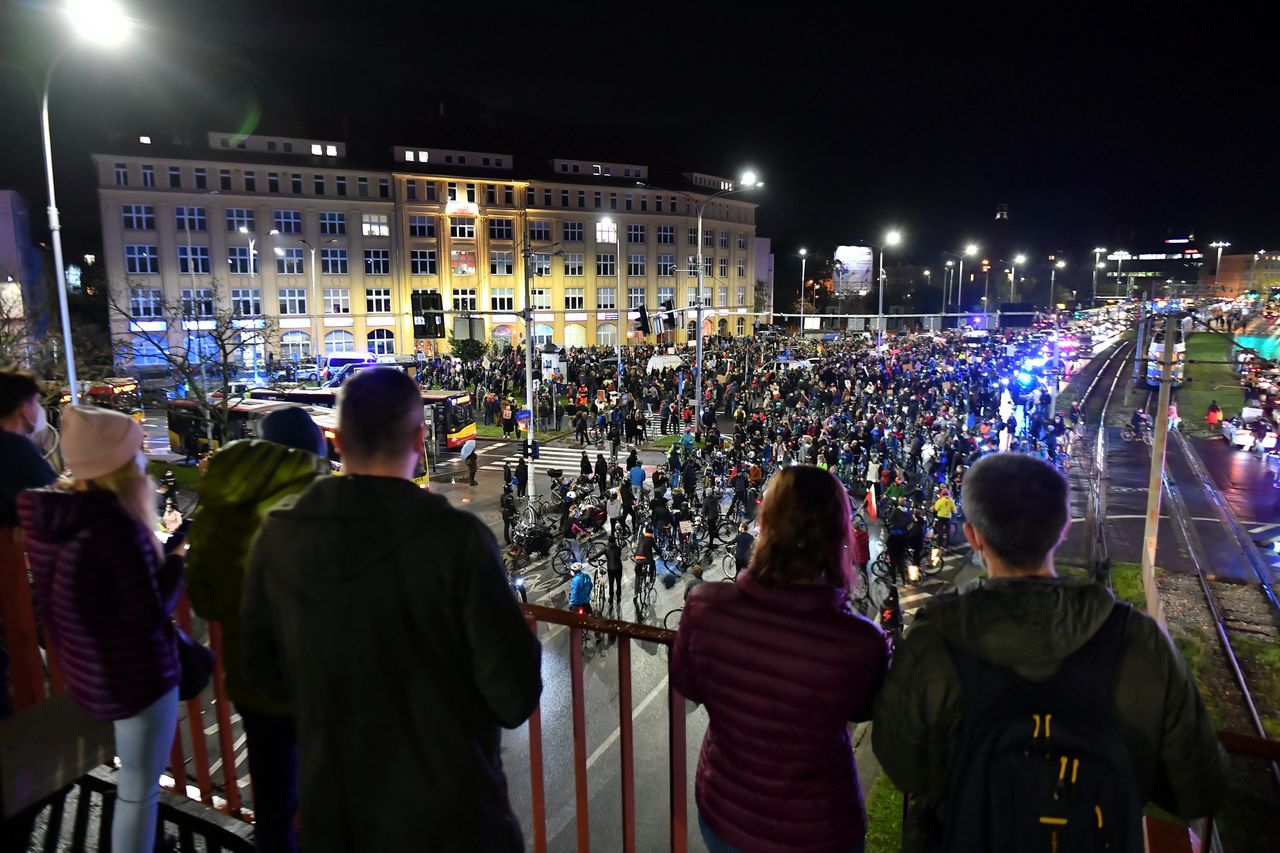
x: 253, y: 283
x: 204, y: 375
x: 880, y: 311
x: 314, y: 299
x: 1217, y: 274
x: 960, y: 290
x: 1156, y: 476
x: 1119, y: 264
x: 618, y: 324
x: 1013, y: 279
x: 1057, y: 364
x: 698, y: 368
x: 528, y: 360
x: 55, y: 229
x: 803, y: 260
x: 1095, y: 277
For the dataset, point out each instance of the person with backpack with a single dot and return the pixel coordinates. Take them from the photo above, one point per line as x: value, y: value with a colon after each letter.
x: 1028, y: 711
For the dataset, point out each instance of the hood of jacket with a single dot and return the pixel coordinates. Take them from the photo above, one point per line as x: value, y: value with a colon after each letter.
x: 250, y: 470
x: 1028, y: 624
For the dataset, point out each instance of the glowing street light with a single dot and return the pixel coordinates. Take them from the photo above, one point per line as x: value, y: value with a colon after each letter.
x: 1217, y: 276
x: 1013, y: 273
x: 804, y: 256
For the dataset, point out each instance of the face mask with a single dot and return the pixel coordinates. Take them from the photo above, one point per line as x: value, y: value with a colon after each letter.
x: 41, y: 421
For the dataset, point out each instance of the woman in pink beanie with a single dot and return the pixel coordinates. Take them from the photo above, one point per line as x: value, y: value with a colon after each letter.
x: 104, y: 592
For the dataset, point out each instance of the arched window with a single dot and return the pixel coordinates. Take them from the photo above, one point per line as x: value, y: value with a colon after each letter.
x: 339, y: 340
x: 541, y: 334
x: 382, y: 342
x: 607, y: 335
x: 722, y: 328
x: 575, y: 335
x: 295, y: 346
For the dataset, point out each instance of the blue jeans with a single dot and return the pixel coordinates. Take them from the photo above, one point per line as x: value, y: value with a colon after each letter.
x: 273, y: 766
x: 716, y: 844
x: 142, y: 742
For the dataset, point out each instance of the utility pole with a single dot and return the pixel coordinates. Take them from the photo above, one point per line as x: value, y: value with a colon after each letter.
x: 1156, y: 477
x: 528, y: 358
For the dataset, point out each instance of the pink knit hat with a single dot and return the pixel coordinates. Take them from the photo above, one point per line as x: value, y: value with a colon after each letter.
x: 96, y: 442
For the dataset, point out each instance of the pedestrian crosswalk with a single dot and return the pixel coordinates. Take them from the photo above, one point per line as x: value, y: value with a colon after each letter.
x: 568, y: 459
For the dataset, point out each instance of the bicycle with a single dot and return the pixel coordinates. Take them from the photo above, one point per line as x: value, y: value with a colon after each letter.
x: 645, y: 596
x: 599, y: 589
x: 1129, y: 434
x: 729, y: 565
x: 579, y: 549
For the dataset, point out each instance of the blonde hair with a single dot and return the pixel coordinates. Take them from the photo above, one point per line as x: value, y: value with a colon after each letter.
x: 135, y: 490
x: 804, y: 530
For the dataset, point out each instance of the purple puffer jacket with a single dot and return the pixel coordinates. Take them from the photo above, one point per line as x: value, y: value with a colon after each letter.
x: 781, y: 672
x: 104, y: 598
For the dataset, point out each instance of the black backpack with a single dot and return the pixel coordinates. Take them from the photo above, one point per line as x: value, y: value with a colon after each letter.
x: 1042, y: 767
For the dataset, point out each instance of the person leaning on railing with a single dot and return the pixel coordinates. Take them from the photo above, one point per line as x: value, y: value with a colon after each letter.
x: 783, y: 664
x: 385, y: 618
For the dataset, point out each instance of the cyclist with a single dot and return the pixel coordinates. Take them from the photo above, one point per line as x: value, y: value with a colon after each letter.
x: 1139, y: 421
x: 711, y: 512
x: 642, y: 558
x: 580, y: 591
x: 943, y: 508
x: 613, y: 564
x: 743, y: 544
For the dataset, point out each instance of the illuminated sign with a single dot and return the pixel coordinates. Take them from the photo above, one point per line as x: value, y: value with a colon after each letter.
x: 1178, y: 240
x: 853, y: 269
x: 461, y: 208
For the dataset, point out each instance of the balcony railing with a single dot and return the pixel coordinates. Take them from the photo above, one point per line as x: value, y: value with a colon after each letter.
x: 35, y: 678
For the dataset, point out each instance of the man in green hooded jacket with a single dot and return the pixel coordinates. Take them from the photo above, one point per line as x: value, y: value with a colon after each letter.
x: 1026, y: 618
x: 244, y: 480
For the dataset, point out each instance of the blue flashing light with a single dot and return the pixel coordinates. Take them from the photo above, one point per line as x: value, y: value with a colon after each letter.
x: 1024, y: 378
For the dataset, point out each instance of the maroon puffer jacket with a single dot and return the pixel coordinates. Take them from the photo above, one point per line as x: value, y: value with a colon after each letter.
x: 104, y: 599
x: 781, y: 672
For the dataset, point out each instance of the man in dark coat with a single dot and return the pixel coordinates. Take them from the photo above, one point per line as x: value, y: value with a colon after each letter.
x: 367, y: 568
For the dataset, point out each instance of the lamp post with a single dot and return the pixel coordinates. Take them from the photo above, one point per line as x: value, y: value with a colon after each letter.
x: 253, y: 284
x: 191, y: 268
x: 804, y: 257
x: 617, y: 268
x: 1057, y: 365
x: 1121, y: 254
x: 1097, y: 265
x: 893, y: 238
x: 104, y: 22
x: 970, y: 250
x: 1013, y: 274
x: 928, y: 277
x: 1217, y: 267
x: 946, y: 287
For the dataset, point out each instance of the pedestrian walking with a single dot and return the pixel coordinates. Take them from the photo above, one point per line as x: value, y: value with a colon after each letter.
x: 471, y: 464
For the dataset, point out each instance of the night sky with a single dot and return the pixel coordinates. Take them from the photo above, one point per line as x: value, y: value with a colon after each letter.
x: 1096, y: 125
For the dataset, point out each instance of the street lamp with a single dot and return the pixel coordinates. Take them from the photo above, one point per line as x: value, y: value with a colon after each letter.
x: 253, y: 285
x: 970, y: 251
x: 804, y: 256
x: 1097, y: 265
x: 1217, y: 268
x: 946, y: 291
x: 1057, y: 363
x: 191, y: 268
x: 617, y: 268
x: 893, y: 238
x: 102, y: 22
x: 1013, y: 274
x: 1121, y: 255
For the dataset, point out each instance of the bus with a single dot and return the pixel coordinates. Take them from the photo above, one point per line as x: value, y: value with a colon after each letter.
x: 449, y: 415
x: 118, y: 393
x: 244, y: 420
x: 1155, y: 358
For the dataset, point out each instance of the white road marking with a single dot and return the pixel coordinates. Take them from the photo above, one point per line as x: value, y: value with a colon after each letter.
x: 617, y: 730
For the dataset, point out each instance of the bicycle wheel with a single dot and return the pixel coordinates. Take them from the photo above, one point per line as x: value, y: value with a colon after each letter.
x: 729, y: 565
x: 563, y: 559
x: 1147, y: 438
x: 672, y: 620
x: 882, y: 568
x: 1127, y: 433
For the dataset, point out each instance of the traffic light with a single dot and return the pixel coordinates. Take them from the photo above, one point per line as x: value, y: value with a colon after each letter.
x: 428, y: 314
x: 642, y: 324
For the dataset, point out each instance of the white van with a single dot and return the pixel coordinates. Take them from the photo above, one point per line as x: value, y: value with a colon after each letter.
x: 662, y: 362
x: 783, y: 365
x: 329, y: 365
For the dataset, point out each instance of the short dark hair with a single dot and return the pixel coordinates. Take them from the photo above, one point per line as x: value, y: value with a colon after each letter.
x: 378, y: 412
x: 1019, y: 504
x: 16, y: 388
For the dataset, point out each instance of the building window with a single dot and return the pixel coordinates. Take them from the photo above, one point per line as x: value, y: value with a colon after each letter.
x: 742, y: 295
x: 606, y: 232
x: 693, y: 236
x: 431, y: 191
x: 546, y: 198
x: 193, y: 259
x: 742, y: 267
x: 122, y: 175
x: 635, y: 234
x: 202, y: 180
x: 667, y: 235
x: 145, y: 302
x: 709, y: 237
x: 238, y: 261
x: 542, y: 334
x: 381, y: 341
x: 596, y: 200
x: 501, y: 263
x: 582, y: 199
x: 509, y: 196
x: 499, y: 229
x: 145, y: 353
x: 528, y: 198
x: 462, y: 228
x: 190, y: 218
x: 377, y: 300
x: 502, y: 299
x: 722, y: 297
x: 332, y: 223
x: 666, y: 266
x: 574, y: 299
x: 635, y: 265
x: 340, y: 183
x: 692, y: 267
x: 374, y: 225
x: 411, y: 190
x: 742, y: 326
x: 706, y: 265
x: 377, y: 262
x: 250, y: 182
x: 289, y: 261
x: 139, y: 217
x: 606, y: 264
x: 246, y: 301
x: 471, y: 193
x: 628, y: 203
x: 541, y: 262
x: 141, y: 260
x: 724, y: 267
x: 422, y: 226
x: 607, y: 335
x: 333, y: 261
x: 384, y: 188
x: 657, y: 204
x: 197, y: 302
x: 462, y: 262
x: 175, y: 178
x: 289, y: 221
x: 362, y: 187
x: 295, y: 183
x: 666, y: 294
x: 337, y: 300
x: 148, y: 176
x: 464, y: 298
x: 613, y: 201
x: 273, y: 182
x: 451, y: 190
x: 724, y: 239
x: 293, y: 300
x: 339, y: 340
x: 490, y: 194
x: 295, y: 345
x: 564, y: 198
x: 224, y: 180
x: 573, y: 232
x: 742, y: 239
x: 541, y: 299
x: 540, y: 230
x: 239, y: 218
x: 573, y: 264
x: 635, y: 297
x: 422, y: 261
x: 606, y: 298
